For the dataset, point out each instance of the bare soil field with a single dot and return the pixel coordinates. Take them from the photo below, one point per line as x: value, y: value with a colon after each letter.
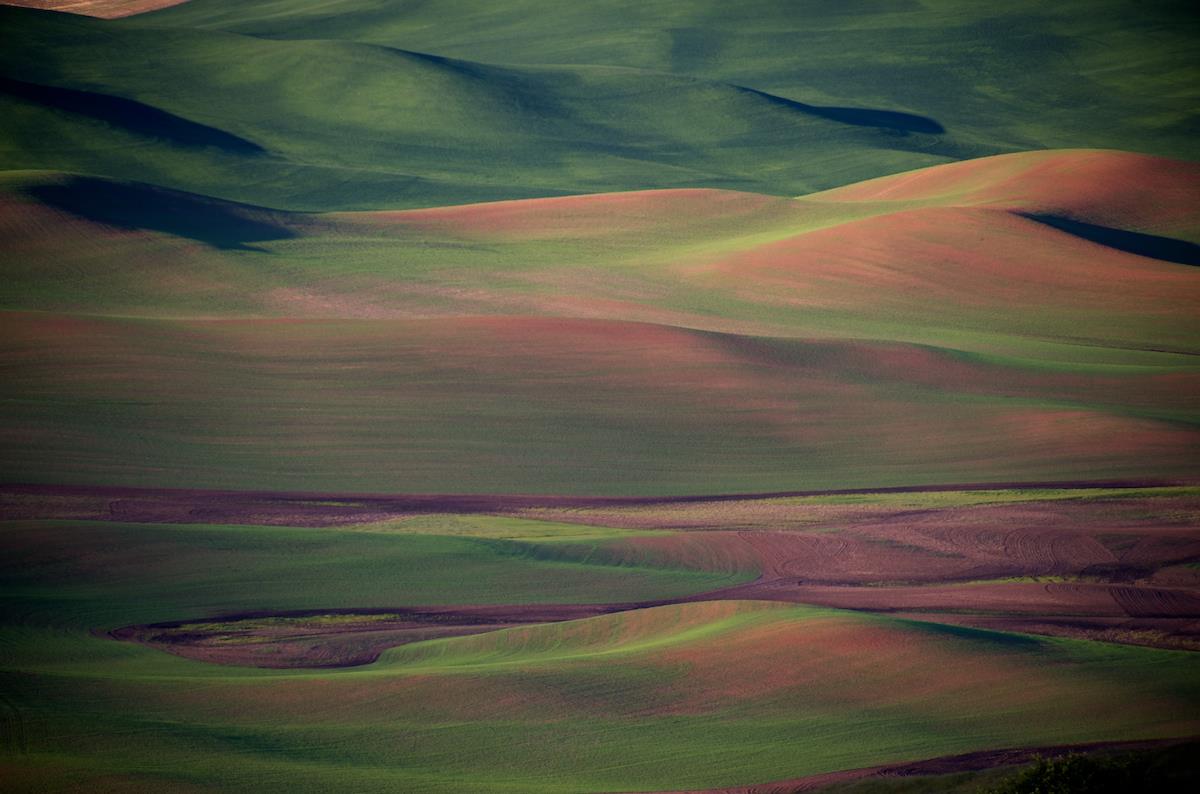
x: 1112, y: 561
x: 335, y: 639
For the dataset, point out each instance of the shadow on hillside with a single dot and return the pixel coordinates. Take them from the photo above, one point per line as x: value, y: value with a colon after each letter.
x: 128, y: 115
x: 144, y: 207
x: 997, y: 639
x: 893, y: 120
x: 1166, y: 249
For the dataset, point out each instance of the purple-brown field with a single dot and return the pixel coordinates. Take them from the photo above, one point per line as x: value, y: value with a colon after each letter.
x: 1111, y: 562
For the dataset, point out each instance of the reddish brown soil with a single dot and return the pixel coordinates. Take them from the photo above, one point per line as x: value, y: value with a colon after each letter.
x: 1155, y: 617
x: 572, y: 216
x: 1118, y: 568
x: 1099, y: 186
x: 105, y: 9
x: 311, y: 639
x: 1045, y: 271
x: 945, y: 765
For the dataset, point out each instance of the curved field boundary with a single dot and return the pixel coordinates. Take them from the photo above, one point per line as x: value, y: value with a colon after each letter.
x: 325, y: 638
x: 944, y: 765
x: 336, y: 637
x: 104, y: 9
x: 301, y: 508
x: 1118, y: 577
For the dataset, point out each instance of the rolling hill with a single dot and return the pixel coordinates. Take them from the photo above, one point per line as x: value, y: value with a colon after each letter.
x: 538, y: 397
x: 352, y: 106
x: 702, y: 694
x: 864, y: 336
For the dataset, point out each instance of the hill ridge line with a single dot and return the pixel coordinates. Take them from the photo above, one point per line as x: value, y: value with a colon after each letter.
x: 479, y: 502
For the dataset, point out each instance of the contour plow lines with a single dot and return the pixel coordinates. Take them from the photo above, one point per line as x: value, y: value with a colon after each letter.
x: 870, y: 566
x: 843, y: 558
x: 786, y: 554
x: 895, y: 553
x: 1032, y: 551
x: 1153, y: 602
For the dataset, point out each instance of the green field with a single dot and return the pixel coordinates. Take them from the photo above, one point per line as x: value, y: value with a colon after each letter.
x: 692, y: 695
x: 358, y: 104
x: 696, y: 695
x: 638, y: 343
x: 117, y: 574
x: 703, y: 694
x: 480, y: 313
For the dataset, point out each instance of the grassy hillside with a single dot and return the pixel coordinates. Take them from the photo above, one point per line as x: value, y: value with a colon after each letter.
x: 326, y: 124
x: 368, y: 105
x: 1025, y: 74
x: 1093, y: 247
x: 688, y: 695
x: 1038, y: 312
x: 695, y: 695
x: 555, y: 406
x: 613, y: 248
x: 103, y: 575
x: 105, y: 9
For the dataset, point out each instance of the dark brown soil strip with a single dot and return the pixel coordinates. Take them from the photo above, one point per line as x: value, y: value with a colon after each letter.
x: 146, y: 505
x: 332, y: 638
x: 945, y: 765
x: 811, y: 570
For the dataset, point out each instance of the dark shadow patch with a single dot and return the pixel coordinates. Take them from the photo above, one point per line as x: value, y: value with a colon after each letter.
x: 883, y: 119
x: 892, y: 120
x: 1151, y: 246
x: 1118, y: 572
x: 526, y: 92
x: 129, y: 115
x: 133, y: 206
x: 997, y: 639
